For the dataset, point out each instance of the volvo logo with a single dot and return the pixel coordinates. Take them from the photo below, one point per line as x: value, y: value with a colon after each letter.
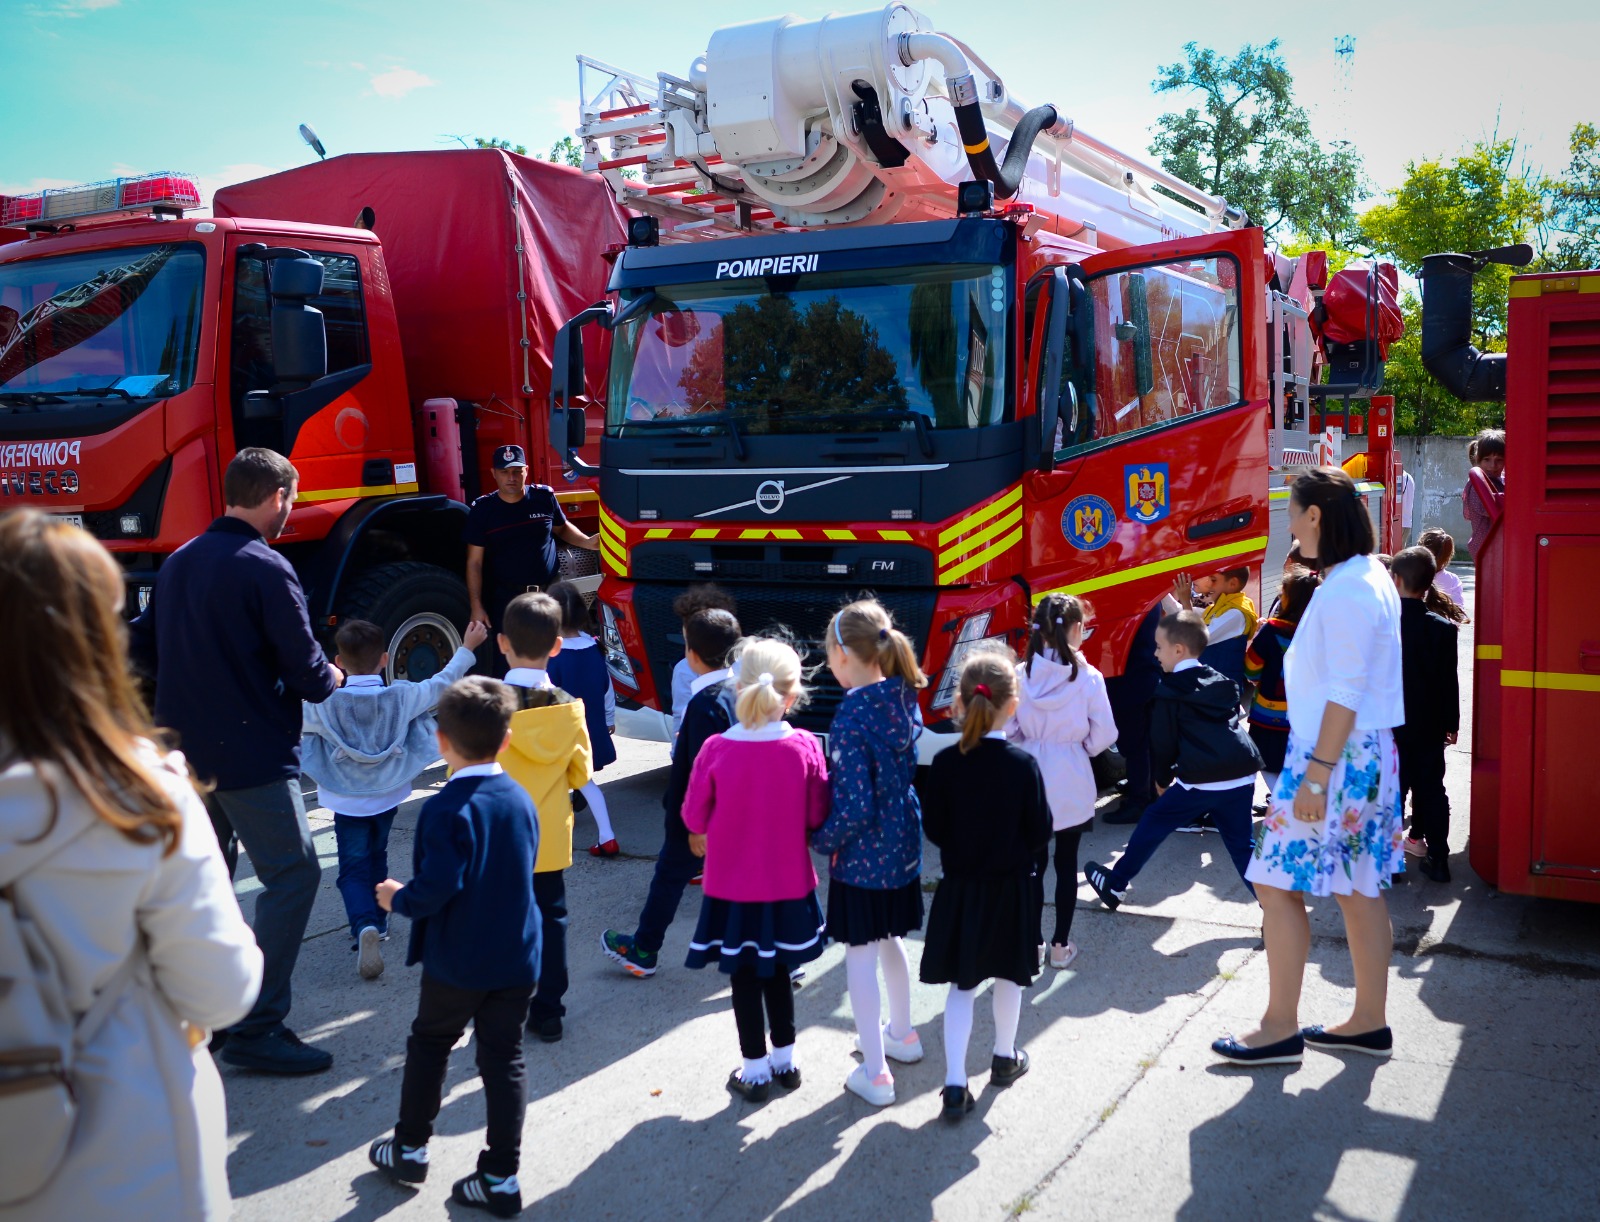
x: 769, y: 496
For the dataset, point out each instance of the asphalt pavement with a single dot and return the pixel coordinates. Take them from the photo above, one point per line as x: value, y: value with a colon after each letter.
x: 1489, y: 1108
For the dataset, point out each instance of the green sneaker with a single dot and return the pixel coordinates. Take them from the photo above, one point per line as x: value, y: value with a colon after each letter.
x: 620, y: 947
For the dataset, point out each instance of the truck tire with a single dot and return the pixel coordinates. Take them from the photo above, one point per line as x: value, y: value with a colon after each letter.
x: 420, y: 608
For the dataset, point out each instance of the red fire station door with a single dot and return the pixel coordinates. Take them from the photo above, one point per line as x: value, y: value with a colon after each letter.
x: 1566, y: 706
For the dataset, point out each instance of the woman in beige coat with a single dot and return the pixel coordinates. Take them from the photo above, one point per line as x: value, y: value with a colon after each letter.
x: 138, y: 874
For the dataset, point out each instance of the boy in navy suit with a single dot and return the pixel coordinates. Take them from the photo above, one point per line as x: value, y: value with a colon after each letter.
x: 475, y: 930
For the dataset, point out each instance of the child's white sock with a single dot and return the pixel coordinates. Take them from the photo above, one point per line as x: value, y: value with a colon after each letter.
x: 897, y: 982
x: 597, y: 807
x: 758, y: 1071
x: 783, y: 1059
x: 1007, y: 1014
x: 861, y: 977
x: 957, y: 1032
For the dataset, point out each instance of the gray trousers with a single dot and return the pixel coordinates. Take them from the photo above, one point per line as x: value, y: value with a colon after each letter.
x: 270, y: 821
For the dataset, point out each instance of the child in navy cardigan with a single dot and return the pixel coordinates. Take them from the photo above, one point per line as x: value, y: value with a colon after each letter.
x: 475, y: 930
x: 874, y: 833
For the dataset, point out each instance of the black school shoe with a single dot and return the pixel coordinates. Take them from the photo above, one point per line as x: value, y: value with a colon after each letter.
x: 397, y: 1162
x: 1003, y: 1071
x: 277, y: 1050
x: 958, y: 1102
x: 503, y: 1200
x: 1436, y: 868
x: 1285, y: 1052
x: 1379, y: 1043
x: 751, y: 1092
x: 1099, y: 880
x: 789, y: 1079
x: 547, y: 1029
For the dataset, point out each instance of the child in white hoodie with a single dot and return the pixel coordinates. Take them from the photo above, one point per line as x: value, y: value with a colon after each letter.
x: 1063, y: 719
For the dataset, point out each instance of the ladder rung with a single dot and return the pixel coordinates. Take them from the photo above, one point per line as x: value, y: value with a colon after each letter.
x: 625, y: 112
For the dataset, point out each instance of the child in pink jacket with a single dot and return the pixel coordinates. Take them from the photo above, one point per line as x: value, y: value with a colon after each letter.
x: 757, y: 792
x: 1063, y: 720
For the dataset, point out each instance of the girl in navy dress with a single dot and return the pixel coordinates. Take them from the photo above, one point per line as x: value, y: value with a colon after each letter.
x: 579, y: 669
x: 874, y: 833
x: 756, y: 791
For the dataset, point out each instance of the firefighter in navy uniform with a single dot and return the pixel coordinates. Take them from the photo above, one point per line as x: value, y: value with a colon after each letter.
x: 511, y: 537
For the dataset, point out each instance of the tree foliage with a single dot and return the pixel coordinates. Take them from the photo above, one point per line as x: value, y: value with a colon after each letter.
x: 1248, y: 141
x: 565, y: 151
x: 1574, y: 219
x: 495, y: 142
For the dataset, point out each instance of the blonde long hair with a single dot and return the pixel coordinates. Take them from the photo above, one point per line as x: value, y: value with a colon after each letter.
x: 769, y: 673
x: 69, y: 699
x: 866, y: 630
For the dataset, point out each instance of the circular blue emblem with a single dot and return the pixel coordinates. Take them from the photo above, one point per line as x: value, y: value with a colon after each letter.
x: 1087, y: 522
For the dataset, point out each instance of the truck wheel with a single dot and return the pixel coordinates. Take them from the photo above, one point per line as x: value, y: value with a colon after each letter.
x: 418, y: 606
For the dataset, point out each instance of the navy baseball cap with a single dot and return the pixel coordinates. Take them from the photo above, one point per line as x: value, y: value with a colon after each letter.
x: 509, y: 456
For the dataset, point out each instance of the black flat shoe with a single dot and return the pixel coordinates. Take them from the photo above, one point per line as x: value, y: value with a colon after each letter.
x: 750, y: 1092
x: 1284, y: 1052
x: 547, y: 1029
x: 789, y: 1079
x: 1436, y: 869
x: 958, y: 1102
x: 1003, y: 1071
x: 1379, y: 1043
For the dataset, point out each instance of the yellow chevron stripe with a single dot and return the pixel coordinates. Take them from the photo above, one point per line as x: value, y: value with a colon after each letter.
x: 710, y: 533
x: 786, y: 534
x: 974, y: 520
x: 621, y: 570
x: 987, y: 554
x: 972, y: 542
x: 615, y: 551
x: 1550, y: 680
x: 1158, y: 567
x: 658, y: 532
x: 841, y: 536
x: 608, y: 527
x: 1490, y: 653
x: 895, y: 536
x: 346, y: 494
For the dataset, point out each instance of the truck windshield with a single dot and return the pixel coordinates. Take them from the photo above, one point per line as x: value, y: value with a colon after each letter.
x: 872, y: 349
x: 121, y: 323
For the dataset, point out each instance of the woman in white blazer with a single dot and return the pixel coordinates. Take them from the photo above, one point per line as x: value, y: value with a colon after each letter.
x: 126, y: 888
x: 1333, y: 824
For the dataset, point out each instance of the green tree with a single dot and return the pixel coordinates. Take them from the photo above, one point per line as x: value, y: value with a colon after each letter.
x: 566, y: 151
x: 1482, y: 199
x: 494, y: 142
x: 1575, y: 205
x: 1248, y: 141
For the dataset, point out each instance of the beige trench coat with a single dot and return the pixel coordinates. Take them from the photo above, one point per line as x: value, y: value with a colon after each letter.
x: 151, y: 1136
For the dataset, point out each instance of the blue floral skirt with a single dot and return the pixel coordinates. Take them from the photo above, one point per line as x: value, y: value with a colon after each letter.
x: 1357, y: 848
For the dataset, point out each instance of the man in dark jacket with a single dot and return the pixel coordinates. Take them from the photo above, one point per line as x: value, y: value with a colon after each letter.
x: 1201, y: 754
x: 1433, y: 710
x: 228, y: 641
x: 708, y: 638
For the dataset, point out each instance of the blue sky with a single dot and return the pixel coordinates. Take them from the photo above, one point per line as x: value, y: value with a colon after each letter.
x: 93, y: 88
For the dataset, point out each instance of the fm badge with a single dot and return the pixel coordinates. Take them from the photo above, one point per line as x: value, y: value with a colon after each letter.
x: 1149, y: 492
x: 1087, y: 522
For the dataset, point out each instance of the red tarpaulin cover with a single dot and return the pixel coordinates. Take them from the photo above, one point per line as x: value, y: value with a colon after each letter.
x: 450, y: 222
x: 1348, y: 311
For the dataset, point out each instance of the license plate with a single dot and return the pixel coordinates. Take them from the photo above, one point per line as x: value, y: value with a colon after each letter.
x: 75, y: 518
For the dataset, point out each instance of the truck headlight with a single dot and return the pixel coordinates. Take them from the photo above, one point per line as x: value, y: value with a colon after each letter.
x: 974, y: 632
x: 617, y: 660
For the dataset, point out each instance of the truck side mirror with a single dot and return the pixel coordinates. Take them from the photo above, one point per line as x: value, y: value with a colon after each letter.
x: 1055, y: 352
x: 577, y: 429
x: 299, y: 332
x: 568, y: 429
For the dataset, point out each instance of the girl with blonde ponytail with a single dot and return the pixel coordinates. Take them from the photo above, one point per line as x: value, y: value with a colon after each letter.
x: 874, y: 833
x: 988, y: 813
x: 755, y: 794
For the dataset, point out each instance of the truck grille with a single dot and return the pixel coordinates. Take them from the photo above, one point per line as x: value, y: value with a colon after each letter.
x: 763, y: 608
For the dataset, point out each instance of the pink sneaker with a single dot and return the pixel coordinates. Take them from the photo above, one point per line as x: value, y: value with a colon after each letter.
x: 1416, y: 848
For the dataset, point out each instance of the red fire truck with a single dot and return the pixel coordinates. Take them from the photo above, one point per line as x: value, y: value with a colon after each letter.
x: 1536, y: 674
x: 383, y: 319
x: 879, y: 327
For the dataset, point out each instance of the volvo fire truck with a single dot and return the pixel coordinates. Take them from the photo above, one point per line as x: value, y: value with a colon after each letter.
x: 383, y: 319
x: 880, y: 327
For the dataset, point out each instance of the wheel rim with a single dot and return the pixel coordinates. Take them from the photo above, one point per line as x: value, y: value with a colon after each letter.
x: 420, y: 647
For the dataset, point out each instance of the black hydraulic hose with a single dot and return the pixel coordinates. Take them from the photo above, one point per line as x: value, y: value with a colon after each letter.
x: 975, y: 138
x: 1448, y: 352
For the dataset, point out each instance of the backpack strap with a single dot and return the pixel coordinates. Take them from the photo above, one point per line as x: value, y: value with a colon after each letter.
x: 106, y: 999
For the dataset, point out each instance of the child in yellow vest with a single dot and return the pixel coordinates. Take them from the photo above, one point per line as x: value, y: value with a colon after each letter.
x: 549, y: 756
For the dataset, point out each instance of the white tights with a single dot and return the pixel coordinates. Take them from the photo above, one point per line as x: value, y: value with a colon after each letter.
x: 597, y: 807
x: 861, y: 975
x: 1007, y: 998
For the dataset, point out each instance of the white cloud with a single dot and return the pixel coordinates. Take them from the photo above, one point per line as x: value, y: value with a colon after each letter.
x: 397, y: 82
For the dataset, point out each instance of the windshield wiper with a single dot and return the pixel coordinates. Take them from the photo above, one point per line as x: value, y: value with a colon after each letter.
x: 29, y: 398
x: 95, y: 392
x: 709, y: 420
x: 918, y: 421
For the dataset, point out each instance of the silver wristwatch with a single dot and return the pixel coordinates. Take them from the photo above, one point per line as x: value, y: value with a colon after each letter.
x: 1317, y: 788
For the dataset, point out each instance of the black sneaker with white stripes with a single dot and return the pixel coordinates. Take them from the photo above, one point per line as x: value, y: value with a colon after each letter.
x: 407, y: 1164
x: 502, y: 1198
